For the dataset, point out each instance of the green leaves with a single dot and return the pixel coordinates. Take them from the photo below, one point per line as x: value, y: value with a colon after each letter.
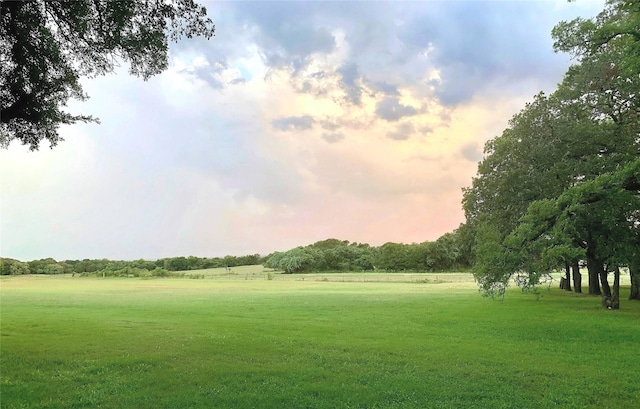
x: 326, y: 255
x: 449, y: 252
x: 46, y: 46
x: 562, y: 179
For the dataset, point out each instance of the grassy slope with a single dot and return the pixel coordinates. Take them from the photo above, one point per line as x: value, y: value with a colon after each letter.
x: 129, y: 343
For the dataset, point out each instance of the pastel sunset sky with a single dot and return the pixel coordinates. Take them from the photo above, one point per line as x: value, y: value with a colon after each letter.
x: 297, y: 122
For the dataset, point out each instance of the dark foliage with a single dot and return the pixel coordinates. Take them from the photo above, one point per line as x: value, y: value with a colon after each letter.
x: 46, y: 46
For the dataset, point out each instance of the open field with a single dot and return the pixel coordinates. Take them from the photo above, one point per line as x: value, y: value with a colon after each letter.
x: 443, y: 279
x: 286, y: 342
x: 462, y: 280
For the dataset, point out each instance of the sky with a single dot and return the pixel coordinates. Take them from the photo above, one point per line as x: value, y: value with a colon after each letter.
x: 297, y: 122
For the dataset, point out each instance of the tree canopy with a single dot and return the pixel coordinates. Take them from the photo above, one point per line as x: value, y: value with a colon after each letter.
x: 46, y: 46
x: 560, y: 185
x: 137, y: 268
x: 449, y: 252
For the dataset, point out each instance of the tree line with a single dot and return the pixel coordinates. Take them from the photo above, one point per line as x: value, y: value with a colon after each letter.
x: 448, y: 252
x: 560, y: 187
x: 106, y: 267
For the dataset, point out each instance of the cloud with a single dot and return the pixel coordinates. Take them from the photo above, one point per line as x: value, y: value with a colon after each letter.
x: 427, y: 129
x: 217, y: 75
x: 385, y: 87
x: 330, y: 125
x: 294, y: 123
x: 390, y: 109
x: 333, y: 137
x: 285, y: 32
x: 402, y: 132
x: 476, y: 45
x: 350, y: 76
x: 471, y: 152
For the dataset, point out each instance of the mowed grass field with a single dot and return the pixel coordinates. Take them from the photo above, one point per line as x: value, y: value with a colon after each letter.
x: 307, y: 342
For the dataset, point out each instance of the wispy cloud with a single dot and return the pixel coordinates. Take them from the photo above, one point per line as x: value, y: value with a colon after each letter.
x: 390, y: 109
x: 293, y: 123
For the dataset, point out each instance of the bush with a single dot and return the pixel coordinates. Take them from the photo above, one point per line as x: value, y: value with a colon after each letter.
x: 10, y: 266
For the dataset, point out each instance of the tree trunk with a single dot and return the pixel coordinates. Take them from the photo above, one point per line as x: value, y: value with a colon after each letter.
x: 577, y: 277
x: 563, y: 283
x: 634, y: 271
x: 567, y: 277
x: 594, y: 267
x: 607, y: 298
x: 615, y: 301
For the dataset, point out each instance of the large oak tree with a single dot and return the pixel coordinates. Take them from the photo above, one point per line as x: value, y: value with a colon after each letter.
x: 556, y: 149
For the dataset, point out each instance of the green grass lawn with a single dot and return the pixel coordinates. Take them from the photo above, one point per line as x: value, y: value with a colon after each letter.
x: 178, y: 343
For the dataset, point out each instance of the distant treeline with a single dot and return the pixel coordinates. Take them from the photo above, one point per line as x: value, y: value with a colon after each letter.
x: 449, y: 252
x: 160, y: 267
x: 452, y: 251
